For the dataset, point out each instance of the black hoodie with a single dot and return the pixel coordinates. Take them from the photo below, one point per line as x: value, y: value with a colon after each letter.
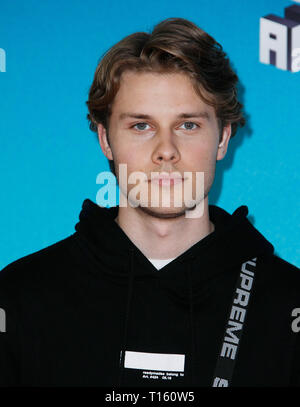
x: 92, y: 310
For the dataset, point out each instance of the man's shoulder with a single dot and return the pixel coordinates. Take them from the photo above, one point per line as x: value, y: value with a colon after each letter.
x: 279, y: 265
x: 280, y: 275
x: 47, y: 258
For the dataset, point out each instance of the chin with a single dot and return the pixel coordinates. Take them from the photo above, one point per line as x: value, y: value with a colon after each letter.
x: 163, y: 213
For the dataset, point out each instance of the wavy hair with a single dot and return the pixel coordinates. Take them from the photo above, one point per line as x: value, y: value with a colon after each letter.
x: 174, y: 45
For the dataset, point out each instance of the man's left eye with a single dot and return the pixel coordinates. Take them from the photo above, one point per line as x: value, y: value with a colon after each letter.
x: 189, y: 125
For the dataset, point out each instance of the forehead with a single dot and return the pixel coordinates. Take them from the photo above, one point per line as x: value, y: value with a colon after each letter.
x: 157, y: 92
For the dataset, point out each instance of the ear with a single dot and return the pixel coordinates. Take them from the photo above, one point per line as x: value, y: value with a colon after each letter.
x: 102, y: 137
x: 223, y: 145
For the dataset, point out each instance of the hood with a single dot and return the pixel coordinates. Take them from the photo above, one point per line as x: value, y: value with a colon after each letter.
x: 234, y: 241
x: 109, y: 250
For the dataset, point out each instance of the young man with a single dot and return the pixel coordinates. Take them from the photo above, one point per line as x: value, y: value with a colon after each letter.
x: 93, y: 309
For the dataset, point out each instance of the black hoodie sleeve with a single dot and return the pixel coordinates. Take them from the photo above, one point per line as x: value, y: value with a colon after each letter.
x: 295, y: 379
x: 9, y: 349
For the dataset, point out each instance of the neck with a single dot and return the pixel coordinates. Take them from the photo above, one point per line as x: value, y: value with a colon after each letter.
x: 163, y: 238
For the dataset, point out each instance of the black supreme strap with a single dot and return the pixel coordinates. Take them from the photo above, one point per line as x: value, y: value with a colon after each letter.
x: 235, y: 324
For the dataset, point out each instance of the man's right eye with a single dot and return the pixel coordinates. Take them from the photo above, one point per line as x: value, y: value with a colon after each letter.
x: 142, y: 126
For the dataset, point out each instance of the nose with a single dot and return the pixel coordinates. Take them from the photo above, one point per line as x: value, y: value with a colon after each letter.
x: 165, y: 149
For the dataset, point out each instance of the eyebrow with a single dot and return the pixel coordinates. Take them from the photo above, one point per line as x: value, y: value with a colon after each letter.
x: 203, y: 115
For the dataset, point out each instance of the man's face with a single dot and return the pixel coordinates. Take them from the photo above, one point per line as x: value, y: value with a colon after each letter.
x: 159, y: 124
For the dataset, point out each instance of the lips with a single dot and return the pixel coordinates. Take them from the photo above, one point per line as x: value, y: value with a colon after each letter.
x: 166, y: 179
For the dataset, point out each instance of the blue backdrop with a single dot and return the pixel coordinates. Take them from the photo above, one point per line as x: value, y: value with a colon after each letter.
x: 50, y: 158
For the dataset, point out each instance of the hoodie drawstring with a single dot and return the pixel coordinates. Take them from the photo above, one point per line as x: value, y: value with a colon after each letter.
x: 129, y: 295
x: 193, y: 349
